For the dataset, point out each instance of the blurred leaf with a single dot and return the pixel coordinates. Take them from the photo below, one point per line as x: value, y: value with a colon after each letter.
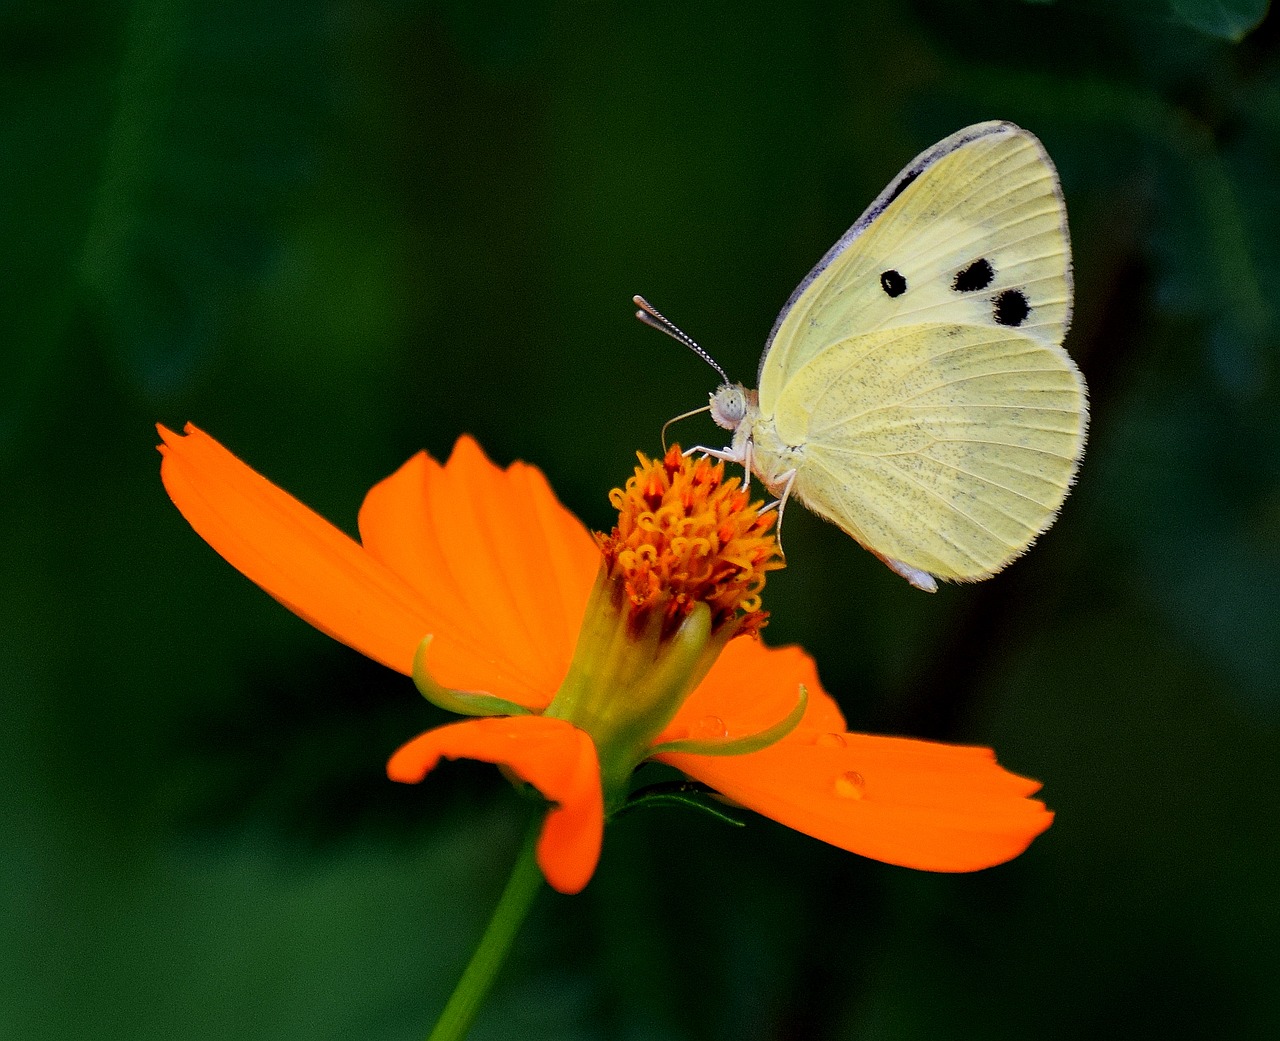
x: 1193, y: 515
x: 50, y: 108
x: 211, y: 134
x: 1226, y: 19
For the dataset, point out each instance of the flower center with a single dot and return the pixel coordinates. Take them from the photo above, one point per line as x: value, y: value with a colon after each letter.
x: 682, y: 574
x: 685, y: 536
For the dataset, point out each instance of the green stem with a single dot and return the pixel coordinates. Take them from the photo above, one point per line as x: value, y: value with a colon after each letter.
x: 513, y: 907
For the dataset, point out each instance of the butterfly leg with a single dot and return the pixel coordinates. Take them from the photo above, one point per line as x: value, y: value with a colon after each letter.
x: 727, y: 455
x: 787, y: 479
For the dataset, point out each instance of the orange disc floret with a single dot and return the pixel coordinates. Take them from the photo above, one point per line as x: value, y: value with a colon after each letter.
x: 686, y: 535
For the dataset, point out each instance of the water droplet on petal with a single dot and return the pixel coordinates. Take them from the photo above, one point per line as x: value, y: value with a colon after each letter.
x: 710, y: 727
x: 830, y: 741
x: 851, y: 785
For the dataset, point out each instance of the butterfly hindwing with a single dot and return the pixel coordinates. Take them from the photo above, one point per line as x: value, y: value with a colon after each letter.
x: 973, y: 231
x: 947, y: 447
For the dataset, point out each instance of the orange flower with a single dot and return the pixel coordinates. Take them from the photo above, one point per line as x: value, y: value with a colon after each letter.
x: 584, y: 667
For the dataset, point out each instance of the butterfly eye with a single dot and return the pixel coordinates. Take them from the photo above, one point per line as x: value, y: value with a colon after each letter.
x: 893, y: 283
x: 729, y: 406
x: 1011, y: 308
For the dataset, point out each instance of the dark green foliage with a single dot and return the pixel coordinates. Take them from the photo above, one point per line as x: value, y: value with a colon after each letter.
x: 1227, y: 19
x: 333, y: 232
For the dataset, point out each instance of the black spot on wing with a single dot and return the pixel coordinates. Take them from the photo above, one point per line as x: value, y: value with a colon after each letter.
x: 893, y: 283
x: 977, y: 275
x: 1011, y: 308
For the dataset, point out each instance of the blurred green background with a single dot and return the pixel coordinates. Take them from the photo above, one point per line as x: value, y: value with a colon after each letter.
x: 332, y: 232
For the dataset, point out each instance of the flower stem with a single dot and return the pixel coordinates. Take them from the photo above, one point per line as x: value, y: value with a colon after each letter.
x: 513, y: 907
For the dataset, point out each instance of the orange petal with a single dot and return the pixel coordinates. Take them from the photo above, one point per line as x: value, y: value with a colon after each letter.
x: 916, y: 803
x: 749, y: 689
x: 554, y: 756
x: 293, y: 553
x: 497, y: 557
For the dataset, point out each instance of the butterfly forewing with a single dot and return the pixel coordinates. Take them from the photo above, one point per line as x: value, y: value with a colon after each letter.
x: 972, y: 232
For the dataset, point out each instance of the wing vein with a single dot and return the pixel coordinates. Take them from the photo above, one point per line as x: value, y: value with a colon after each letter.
x: 929, y: 390
x: 951, y: 505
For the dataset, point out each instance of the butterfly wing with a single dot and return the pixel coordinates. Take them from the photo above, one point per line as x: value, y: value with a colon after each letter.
x: 946, y: 447
x: 972, y: 231
x: 919, y: 370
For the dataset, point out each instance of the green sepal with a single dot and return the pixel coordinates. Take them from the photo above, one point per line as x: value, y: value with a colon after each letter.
x: 688, y: 794
x: 462, y: 702
x: 740, y: 745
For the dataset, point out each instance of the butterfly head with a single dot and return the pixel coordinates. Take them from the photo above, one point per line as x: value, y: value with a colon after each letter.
x: 730, y: 404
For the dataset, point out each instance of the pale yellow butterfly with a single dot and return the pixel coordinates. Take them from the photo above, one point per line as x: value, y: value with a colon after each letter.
x: 914, y: 390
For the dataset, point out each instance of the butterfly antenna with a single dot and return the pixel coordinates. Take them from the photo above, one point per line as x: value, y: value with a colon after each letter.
x: 654, y: 318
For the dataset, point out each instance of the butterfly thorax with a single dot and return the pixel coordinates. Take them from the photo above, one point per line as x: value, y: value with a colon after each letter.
x: 773, y: 460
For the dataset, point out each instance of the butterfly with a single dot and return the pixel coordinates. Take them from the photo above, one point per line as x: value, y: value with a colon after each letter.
x: 914, y: 389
